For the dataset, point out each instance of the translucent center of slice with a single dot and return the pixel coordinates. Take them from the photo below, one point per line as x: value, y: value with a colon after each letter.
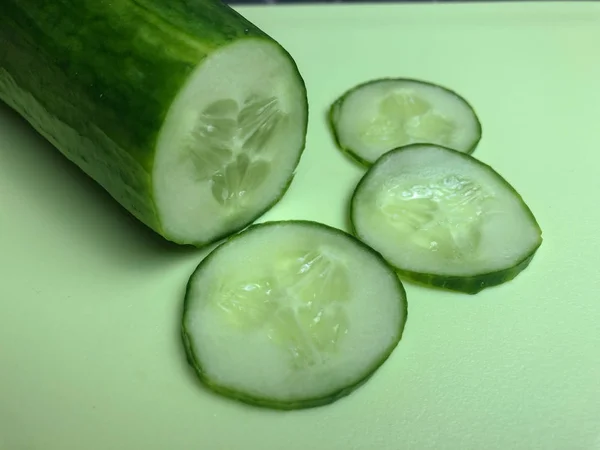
x: 443, y: 216
x: 405, y: 118
x: 226, y: 146
x: 298, y: 304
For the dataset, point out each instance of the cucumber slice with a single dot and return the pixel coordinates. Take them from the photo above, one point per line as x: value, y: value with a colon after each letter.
x: 444, y: 218
x: 291, y: 314
x: 187, y: 114
x: 380, y: 115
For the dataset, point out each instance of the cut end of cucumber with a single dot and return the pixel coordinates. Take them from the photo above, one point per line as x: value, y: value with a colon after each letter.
x: 444, y: 218
x: 291, y: 314
x: 230, y: 142
x: 381, y: 115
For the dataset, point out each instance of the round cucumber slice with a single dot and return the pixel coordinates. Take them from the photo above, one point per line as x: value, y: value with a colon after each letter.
x: 230, y: 144
x: 291, y: 314
x: 380, y: 115
x: 444, y: 218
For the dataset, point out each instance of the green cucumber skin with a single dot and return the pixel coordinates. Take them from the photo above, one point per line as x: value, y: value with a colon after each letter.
x: 337, y: 104
x: 268, y: 402
x: 468, y: 285
x: 97, y: 78
x: 463, y: 284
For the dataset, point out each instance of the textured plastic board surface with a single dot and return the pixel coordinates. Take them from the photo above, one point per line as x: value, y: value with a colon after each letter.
x: 90, y: 356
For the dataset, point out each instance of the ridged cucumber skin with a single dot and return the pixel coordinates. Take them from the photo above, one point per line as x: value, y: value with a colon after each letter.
x: 269, y: 403
x: 335, y: 107
x: 97, y: 78
x: 463, y: 284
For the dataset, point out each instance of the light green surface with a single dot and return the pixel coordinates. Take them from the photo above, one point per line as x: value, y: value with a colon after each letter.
x: 90, y: 302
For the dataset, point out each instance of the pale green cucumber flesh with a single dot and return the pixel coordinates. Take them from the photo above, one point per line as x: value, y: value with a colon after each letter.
x: 291, y: 314
x: 380, y: 115
x: 444, y: 218
x: 230, y: 143
x: 132, y: 92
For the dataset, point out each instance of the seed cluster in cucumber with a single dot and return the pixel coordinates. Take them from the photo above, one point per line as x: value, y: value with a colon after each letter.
x: 221, y: 124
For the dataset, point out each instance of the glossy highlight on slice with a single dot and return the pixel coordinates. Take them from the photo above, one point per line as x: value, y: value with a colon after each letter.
x: 444, y: 218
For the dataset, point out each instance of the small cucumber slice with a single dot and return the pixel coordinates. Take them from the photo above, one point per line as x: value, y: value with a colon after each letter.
x: 380, y: 115
x: 291, y: 314
x: 444, y: 218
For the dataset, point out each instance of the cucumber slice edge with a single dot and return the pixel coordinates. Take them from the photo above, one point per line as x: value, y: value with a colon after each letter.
x: 269, y: 403
x: 331, y: 119
x: 468, y: 285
